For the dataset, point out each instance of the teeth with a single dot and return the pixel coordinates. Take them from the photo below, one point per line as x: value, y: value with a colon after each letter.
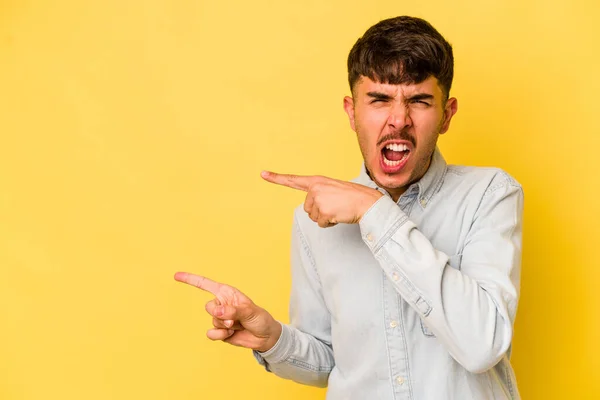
x: 397, y: 147
x: 391, y: 163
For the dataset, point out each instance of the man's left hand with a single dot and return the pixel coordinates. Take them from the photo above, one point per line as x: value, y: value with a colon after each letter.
x: 329, y: 201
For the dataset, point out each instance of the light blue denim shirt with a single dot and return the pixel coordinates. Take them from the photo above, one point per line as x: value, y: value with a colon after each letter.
x: 417, y: 301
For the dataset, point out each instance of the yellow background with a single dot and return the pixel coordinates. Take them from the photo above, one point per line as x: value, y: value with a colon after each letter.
x: 132, y: 134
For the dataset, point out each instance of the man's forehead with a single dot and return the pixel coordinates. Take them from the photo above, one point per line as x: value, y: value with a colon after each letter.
x: 429, y: 85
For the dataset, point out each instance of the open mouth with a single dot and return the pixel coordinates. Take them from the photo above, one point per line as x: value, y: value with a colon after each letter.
x: 394, y: 157
x: 394, y: 154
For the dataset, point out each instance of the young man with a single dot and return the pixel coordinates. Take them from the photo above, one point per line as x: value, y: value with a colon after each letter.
x: 411, y: 292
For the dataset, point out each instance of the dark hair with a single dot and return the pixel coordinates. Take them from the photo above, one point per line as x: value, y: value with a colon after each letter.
x: 402, y: 50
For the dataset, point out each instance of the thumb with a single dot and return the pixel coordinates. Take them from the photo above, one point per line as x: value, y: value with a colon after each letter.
x: 247, y: 313
x: 241, y: 312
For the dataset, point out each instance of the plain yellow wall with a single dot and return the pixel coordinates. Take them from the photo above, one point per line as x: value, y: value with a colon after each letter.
x: 132, y: 134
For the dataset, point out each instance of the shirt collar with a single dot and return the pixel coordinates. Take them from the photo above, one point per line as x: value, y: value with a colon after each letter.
x: 426, y: 187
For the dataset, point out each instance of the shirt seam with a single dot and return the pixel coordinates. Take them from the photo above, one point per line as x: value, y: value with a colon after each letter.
x: 307, y: 366
x: 307, y: 250
x: 507, y: 181
x: 387, y: 342
x: 407, y: 363
x: 437, y: 187
x: 389, y: 233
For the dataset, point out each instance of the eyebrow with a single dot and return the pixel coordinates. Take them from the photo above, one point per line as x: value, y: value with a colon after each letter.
x: 420, y: 96
x: 380, y: 96
x: 415, y: 97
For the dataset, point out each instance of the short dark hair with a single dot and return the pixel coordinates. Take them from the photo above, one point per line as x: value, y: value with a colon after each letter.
x: 402, y: 50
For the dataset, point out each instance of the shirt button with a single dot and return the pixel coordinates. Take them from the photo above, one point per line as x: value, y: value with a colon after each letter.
x: 423, y: 202
x: 400, y: 380
x: 369, y: 237
x: 393, y: 324
x: 395, y: 276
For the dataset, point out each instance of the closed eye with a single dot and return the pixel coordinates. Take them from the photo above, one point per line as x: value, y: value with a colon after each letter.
x: 424, y: 99
x: 378, y: 97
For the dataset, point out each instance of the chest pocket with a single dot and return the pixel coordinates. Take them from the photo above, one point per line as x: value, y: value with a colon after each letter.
x: 454, y: 262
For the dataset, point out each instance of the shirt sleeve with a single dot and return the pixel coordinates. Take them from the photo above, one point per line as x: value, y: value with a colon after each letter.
x: 303, y: 352
x: 471, y: 310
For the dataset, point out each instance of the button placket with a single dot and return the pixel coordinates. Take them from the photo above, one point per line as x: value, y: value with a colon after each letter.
x: 397, y: 350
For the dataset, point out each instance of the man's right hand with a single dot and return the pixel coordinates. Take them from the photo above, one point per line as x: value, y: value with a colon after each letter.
x: 236, y: 319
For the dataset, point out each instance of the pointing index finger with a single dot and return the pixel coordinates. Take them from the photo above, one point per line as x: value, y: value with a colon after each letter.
x: 200, y: 282
x: 292, y: 181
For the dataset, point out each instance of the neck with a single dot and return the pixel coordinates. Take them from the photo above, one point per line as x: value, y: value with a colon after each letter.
x: 395, y: 193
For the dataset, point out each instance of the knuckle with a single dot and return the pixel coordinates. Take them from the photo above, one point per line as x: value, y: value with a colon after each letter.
x: 199, y: 282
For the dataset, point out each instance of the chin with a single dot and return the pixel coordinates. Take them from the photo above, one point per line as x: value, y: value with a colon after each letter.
x: 392, y: 181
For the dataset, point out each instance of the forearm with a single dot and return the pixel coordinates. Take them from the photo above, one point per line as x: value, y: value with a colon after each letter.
x: 300, y: 357
x: 471, y: 314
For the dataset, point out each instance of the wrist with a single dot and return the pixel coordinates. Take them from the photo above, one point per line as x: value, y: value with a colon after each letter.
x: 373, y: 198
x: 272, y: 337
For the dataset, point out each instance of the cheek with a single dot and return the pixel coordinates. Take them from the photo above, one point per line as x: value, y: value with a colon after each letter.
x: 375, y: 120
x: 427, y: 125
x: 369, y: 127
x: 367, y: 144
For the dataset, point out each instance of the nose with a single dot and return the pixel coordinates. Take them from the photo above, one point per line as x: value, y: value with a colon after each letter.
x: 399, y: 117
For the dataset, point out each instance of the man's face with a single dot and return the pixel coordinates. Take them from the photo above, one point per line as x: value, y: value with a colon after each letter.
x: 397, y: 128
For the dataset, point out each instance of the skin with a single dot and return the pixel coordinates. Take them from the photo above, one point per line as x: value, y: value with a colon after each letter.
x: 236, y: 319
x: 379, y: 113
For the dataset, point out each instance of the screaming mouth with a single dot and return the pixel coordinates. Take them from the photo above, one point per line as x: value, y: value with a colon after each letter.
x: 394, y: 154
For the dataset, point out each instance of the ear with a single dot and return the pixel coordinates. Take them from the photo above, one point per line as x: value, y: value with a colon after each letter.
x: 349, y: 108
x: 449, y: 111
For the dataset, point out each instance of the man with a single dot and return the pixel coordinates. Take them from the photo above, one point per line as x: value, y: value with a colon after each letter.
x: 411, y: 292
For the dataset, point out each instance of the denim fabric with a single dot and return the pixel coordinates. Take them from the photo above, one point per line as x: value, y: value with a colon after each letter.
x: 417, y: 301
